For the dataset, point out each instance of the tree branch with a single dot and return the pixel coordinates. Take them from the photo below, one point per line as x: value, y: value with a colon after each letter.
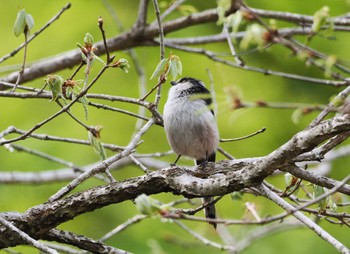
x: 216, y: 179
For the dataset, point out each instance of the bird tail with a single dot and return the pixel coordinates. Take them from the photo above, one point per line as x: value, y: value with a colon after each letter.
x: 209, y: 211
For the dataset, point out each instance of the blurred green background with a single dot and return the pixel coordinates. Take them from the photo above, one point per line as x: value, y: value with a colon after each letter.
x: 152, y: 234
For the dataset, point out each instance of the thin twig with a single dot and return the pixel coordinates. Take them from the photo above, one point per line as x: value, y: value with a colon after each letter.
x: 244, y: 137
x: 341, y: 96
x: 226, y: 154
x: 20, y: 73
x: 160, y: 28
x: 211, y: 55
x: 162, y: 50
x: 13, y: 129
x: 138, y: 163
x: 26, y: 237
x: 237, y: 58
x: 45, y: 156
x: 14, y: 52
x: 64, y: 109
x: 104, y: 164
x: 324, y: 195
x: 174, y: 5
x: 302, y: 218
x: 160, y: 82
x: 138, y: 67
x: 263, y: 232
x: 88, y: 128
x: 100, y: 25
x: 203, y: 239
x: 82, y: 63
x: 123, y: 226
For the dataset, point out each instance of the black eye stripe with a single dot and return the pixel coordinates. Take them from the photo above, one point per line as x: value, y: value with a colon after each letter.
x: 191, y: 80
x: 196, y: 91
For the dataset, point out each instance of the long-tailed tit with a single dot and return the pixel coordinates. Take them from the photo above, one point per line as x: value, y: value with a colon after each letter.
x: 190, y: 125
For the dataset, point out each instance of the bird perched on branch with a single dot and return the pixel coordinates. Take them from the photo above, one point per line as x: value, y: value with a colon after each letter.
x: 190, y: 126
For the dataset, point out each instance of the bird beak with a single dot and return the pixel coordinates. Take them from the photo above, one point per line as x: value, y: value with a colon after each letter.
x: 173, y: 83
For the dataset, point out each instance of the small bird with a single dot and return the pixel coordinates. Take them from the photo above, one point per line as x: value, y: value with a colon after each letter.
x: 190, y: 125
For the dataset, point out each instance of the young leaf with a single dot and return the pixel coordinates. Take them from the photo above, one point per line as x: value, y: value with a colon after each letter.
x: 24, y: 22
x: 99, y: 59
x: 147, y: 205
x: 222, y: 7
x: 124, y: 65
x: 29, y: 21
x: 254, y: 36
x: 55, y: 83
x: 235, y: 20
x: 330, y: 61
x: 160, y: 68
x: 318, y: 191
x: 94, y: 138
x: 84, y: 101
x: 175, y: 66
x: 20, y: 23
x: 297, y: 115
x: 88, y: 40
x: 321, y: 17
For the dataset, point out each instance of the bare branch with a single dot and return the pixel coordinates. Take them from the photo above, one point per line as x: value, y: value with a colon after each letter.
x: 303, y: 219
x: 26, y: 237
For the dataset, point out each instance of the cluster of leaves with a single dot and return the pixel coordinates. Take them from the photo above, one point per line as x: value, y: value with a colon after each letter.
x: 23, y: 24
x: 66, y: 89
x: 70, y: 89
x: 171, y: 65
x: 87, y: 51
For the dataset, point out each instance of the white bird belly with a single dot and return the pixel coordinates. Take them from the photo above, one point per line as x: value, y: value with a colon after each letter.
x: 191, y: 129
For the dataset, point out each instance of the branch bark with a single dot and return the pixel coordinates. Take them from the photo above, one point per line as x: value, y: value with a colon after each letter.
x: 216, y: 179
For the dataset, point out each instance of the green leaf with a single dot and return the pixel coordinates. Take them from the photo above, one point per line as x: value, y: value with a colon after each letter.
x: 94, y: 138
x: 254, y: 35
x: 297, y: 115
x: 318, y: 191
x: 124, y: 65
x: 235, y: 20
x: 147, y: 205
x: 29, y: 21
x: 330, y: 61
x: 24, y: 22
x: 88, y: 40
x: 222, y: 7
x: 84, y: 101
x: 321, y: 18
x: 160, y: 68
x: 55, y: 83
x: 20, y: 23
x: 175, y: 66
x: 99, y: 59
x: 179, y: 66
x: 172, y: 69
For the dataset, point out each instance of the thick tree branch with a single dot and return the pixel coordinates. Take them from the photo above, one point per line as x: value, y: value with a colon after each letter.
x: 216, y: 179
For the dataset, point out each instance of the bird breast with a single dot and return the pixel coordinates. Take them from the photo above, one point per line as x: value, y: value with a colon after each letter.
x: 190, y: 127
